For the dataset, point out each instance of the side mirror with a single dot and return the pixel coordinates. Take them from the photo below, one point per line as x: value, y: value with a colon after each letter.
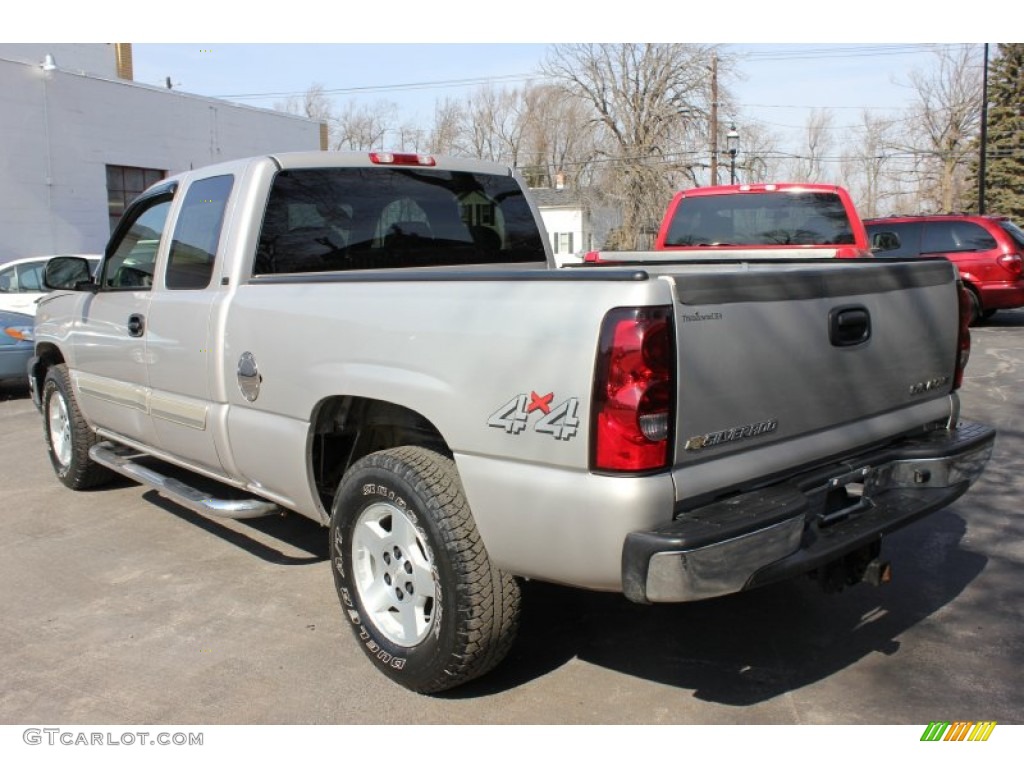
x: 68, y: 273
x: 885, y: 241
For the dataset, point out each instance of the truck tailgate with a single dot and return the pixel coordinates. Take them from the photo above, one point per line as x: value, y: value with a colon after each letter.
x: 832, y: 354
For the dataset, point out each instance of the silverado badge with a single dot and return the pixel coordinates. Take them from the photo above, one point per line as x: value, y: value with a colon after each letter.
x: 731, y: 435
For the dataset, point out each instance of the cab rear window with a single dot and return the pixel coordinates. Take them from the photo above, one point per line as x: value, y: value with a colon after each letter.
x: 337, y: 219
x: 771, y: 218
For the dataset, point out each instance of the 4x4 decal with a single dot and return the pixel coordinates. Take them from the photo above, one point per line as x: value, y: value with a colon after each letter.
x: 560, y: 421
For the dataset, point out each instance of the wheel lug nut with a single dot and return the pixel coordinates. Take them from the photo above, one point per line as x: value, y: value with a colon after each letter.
x: 387, y: 579
x: 387, y: 558
x: 398, y: 554
x: 408, y: 587
x: 399, y: 594
x: 408, y: 566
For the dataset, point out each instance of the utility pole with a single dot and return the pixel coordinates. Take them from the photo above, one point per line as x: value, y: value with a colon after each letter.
x: 714, y: 118
x: 984, y: 133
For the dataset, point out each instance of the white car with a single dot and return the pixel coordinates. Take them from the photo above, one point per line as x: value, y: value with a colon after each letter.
x: 21, y: 282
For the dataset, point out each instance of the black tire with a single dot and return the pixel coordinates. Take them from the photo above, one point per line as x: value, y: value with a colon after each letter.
x: 68, y: 437
x: 976, y: 309
x: 413, y: 576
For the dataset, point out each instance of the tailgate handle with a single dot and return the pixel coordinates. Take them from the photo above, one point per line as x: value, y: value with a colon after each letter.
x: 849, y: 326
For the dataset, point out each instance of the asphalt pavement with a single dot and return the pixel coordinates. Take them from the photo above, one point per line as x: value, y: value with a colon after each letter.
x: 121, y: 608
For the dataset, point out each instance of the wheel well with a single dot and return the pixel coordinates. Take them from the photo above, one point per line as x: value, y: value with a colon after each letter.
x: 344, y: 429
x: 48, y: 356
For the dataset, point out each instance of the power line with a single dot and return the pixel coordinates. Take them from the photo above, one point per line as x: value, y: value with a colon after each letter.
x: 425, y: 84
x: 786, y: 54
x: 837, y: 52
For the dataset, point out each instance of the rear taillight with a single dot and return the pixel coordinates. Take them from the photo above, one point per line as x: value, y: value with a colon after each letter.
x: 963, y: 342
x: 634, y: 391
x: 1011, y: 262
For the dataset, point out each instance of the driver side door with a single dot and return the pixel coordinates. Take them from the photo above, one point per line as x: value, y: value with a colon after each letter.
x: 111, y: 371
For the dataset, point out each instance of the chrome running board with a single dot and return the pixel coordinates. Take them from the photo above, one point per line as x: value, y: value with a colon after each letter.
x: 119, y: 459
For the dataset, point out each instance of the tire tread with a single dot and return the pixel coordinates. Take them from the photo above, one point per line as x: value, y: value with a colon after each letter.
x: 82, y: 472
x: 487, y: 598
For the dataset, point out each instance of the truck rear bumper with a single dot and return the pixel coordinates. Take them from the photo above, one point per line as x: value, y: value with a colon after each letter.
x: 806, y: 522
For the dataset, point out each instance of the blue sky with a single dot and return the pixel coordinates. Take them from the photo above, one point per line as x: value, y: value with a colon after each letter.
x: 780, y: 84
x: 369, y: 49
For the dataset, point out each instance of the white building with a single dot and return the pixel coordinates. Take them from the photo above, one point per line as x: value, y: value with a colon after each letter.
x: 79, y: 139
x: 573, y: 222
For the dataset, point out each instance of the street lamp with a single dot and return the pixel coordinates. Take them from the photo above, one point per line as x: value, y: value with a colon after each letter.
x: 732, y: 142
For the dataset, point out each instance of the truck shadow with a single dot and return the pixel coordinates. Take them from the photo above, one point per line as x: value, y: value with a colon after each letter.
x: 744, y: 649
x: 748, y: 648
x: 286, y: 539
x: 1003, y: 319
x: 13, y: 390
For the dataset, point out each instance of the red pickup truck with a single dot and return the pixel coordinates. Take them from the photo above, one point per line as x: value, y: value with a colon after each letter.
x: 758, y: 221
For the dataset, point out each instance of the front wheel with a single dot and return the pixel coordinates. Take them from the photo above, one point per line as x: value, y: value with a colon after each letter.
x: 413, y: 576
x: 68, y: 437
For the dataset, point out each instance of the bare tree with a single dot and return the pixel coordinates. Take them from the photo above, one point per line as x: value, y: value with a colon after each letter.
x: 651, y: 101
x: 314, y: 104
x: 364, y: 126
x: 356, y: 126
x: 494, y: 123
x: 445, y: 134
x: 945, y: 119
x: 810, y: 167
x: 560, y: 139
x: 868, y: 168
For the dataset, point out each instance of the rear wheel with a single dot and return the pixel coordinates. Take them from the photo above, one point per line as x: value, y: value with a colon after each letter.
x: 976, y: 310
x: 68, y: 437
x: 413, y: 576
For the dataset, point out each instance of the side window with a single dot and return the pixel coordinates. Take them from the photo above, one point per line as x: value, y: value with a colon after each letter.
x: 8, y: 280
x: 131, y: 263
x: 895, y: 241
x: 196, y: 234
x: 938, y: 237
x: 30, y: 277
x: 969, y: 236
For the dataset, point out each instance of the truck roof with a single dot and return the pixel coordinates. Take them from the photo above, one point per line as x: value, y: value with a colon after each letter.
x: 733, y: 189
x: 365, y: 159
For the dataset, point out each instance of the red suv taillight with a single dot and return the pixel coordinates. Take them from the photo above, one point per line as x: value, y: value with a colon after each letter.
x: 1011, y: 262
x: 963, y: 343
x: 634, y: 391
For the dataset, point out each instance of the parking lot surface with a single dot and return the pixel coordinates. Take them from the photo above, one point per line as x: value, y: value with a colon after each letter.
x: 120, y: 607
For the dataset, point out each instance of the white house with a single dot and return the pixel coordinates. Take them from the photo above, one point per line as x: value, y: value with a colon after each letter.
x: 79, y: 139
x: 574, y: 222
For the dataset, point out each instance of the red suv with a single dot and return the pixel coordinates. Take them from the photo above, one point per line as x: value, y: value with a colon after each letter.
x: 986, y: 250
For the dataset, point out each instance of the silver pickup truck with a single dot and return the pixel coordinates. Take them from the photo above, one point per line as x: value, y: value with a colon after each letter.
x: 380, y: 342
